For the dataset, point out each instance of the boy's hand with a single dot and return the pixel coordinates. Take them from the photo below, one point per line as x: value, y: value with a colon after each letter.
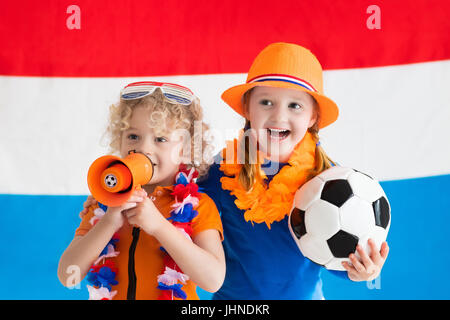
x: 114, y: 214
x: 367, y: 268
x: 145, y: 215
x: 90, y: 201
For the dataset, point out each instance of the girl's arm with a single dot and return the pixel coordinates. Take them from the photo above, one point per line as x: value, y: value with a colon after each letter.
x: 202, y: 259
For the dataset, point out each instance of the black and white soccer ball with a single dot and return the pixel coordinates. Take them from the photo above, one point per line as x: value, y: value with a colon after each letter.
x: 335, y: 211
x: 110, y: 181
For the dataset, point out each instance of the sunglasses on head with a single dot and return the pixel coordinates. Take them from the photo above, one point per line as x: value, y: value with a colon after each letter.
x: 173, y: 92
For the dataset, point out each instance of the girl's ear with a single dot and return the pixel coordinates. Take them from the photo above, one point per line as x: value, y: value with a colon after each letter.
x: 315, y: 114
x: 246, y: 111
x: 246, y: 103
x: 313, y: 120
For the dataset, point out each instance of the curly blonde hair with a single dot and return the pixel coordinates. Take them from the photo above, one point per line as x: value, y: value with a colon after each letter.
x: 165, y: 117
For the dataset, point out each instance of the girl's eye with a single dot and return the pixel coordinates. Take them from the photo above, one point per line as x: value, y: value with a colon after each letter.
x: 295, y: 106
x: 133, y: 136
x: 160, y: 139
x: 266, y: 102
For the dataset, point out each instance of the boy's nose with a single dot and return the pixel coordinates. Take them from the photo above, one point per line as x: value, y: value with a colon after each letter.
x: 146, y: 146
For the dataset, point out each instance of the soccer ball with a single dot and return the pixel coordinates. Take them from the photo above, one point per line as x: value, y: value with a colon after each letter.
x: 110, y: 181
x: 335, y: 211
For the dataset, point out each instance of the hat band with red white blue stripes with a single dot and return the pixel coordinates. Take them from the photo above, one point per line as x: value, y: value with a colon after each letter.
x: 284, y: 78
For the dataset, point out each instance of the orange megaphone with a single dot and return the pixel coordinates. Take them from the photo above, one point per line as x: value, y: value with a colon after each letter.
x: 112, y: 180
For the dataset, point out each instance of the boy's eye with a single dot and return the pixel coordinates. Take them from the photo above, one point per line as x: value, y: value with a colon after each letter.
x: 295, y: 106
x: 133, y: 136
x: 160, y: 139
x: 266, y: 102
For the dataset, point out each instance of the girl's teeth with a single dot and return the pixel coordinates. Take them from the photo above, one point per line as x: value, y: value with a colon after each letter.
x: 278, y: 133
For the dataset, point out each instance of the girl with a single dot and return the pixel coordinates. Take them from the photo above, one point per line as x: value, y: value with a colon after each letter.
x: 176, y: 240
x: 253, y: 184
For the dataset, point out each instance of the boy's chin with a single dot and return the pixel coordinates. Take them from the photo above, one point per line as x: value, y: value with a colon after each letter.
x: 164, y: 181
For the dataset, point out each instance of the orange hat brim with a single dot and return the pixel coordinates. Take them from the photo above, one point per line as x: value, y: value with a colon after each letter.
x: 329, y: 111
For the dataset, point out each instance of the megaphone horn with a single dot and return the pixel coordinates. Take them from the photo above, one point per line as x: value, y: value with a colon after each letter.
x: 112, y: 180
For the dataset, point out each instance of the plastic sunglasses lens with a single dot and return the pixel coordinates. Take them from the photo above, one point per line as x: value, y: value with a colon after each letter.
x: 175, y: 95
x: 135, y: 95
x: 177, y: 99
x: 135, y: 92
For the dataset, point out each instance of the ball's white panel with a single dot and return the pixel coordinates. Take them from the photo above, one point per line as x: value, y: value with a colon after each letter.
x: 336, y: 172
x: 322, y: 220
x: 308, y: 193
x: 357, y: 216
x: 378, y: 235
x: 336, y: 264
x: 365, y: 187
x: 315, y: 249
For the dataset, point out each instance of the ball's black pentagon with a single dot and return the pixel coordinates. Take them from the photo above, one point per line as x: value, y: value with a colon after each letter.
x: 363, y: 173
x: 382, y: 212
x: 298, y: 222
x: 342, y: 244
x: 336, y: 192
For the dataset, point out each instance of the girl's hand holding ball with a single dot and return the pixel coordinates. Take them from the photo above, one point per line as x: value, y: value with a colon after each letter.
x: 367, y: 268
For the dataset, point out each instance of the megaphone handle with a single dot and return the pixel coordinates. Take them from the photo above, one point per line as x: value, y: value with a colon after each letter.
x: 138, y: 187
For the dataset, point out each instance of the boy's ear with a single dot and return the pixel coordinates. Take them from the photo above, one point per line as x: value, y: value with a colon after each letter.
x: 185, y: 155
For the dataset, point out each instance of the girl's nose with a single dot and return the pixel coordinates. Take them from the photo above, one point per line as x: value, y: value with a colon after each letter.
x: 280, y: 114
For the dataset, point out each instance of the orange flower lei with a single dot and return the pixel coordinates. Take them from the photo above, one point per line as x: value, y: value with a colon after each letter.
x: 271, y: 204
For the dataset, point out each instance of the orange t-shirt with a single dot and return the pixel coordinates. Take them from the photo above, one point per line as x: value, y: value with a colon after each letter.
x: 148, y: 256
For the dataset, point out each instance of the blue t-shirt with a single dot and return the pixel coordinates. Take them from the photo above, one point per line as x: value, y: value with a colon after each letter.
x: 261, y: 263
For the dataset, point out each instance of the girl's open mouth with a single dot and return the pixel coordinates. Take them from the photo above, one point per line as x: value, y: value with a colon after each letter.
x: 278, y: 134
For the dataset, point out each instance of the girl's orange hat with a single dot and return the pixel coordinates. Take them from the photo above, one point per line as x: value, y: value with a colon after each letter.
x: 285, y: 65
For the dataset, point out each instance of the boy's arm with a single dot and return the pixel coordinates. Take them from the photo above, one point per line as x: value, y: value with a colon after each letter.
x: 83, y: 251
x: 202, y: 259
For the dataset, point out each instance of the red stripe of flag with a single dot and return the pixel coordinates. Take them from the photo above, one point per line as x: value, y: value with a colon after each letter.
x: 145, y: 38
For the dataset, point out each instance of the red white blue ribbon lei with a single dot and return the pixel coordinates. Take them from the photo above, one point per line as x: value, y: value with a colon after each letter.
x: 185, y: 191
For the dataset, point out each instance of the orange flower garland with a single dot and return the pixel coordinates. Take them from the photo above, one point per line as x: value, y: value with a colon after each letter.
x: 270, y: 204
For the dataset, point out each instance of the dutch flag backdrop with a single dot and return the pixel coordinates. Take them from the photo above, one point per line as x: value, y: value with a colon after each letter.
x: 63, y: 63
